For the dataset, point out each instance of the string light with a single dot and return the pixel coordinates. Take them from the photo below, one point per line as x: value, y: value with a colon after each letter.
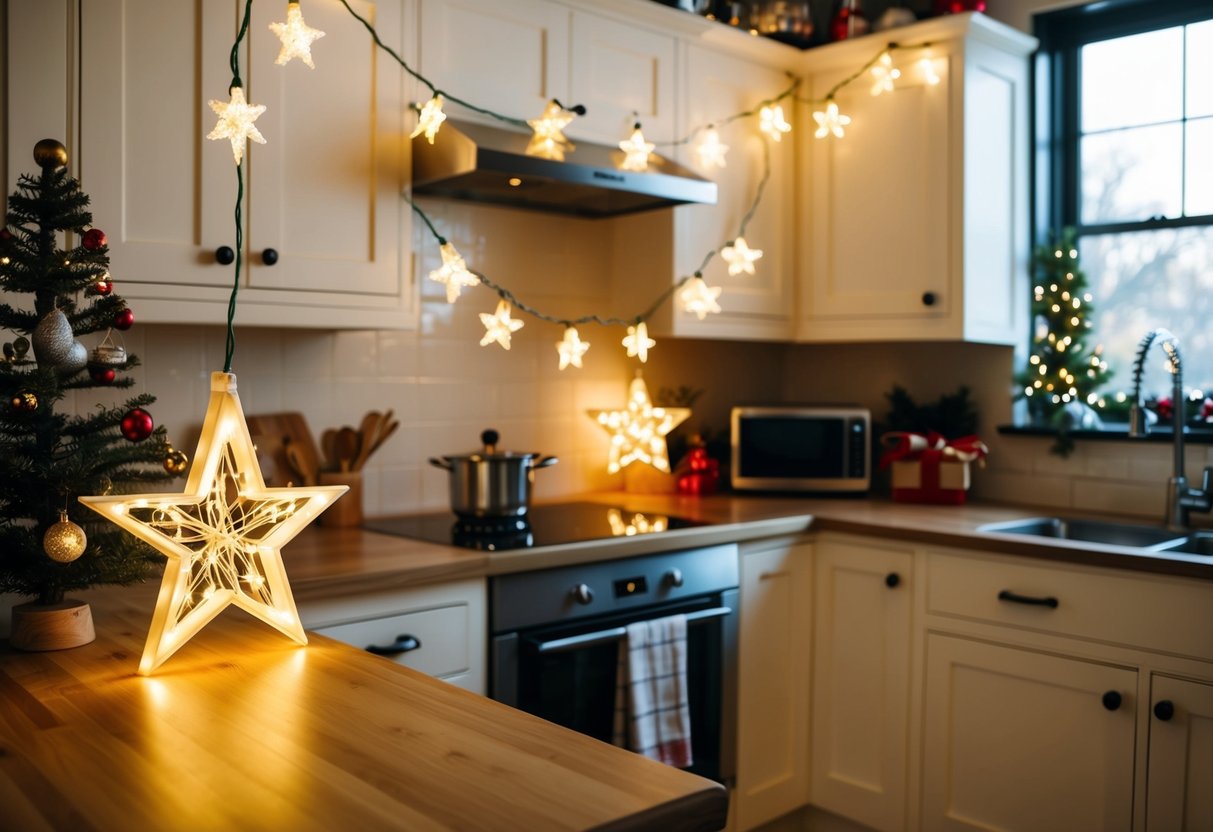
x: 884, y: 74
x: 236, y: 117
x: 638, y: 343
x: 710, y: 150
x: 571, y: 348
x: 926, y: 69
x: 830, y: 121
x: 740, y: 257
x: 549, y: 141
x: 499, y: 326
x: 296, y: 37
x: 636, y: 151
x: 772, y: 123
x: 698, y: 298
x: 453, y: 273
x: 429, y: 120
x: 638, y: 431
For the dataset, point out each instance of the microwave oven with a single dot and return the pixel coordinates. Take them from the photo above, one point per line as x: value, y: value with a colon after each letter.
x: 806, y: 449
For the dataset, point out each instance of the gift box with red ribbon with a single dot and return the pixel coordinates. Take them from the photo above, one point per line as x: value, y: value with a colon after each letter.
x: 926, y: 468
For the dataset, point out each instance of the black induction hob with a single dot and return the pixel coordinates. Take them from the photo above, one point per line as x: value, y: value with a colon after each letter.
x: 543, y: 525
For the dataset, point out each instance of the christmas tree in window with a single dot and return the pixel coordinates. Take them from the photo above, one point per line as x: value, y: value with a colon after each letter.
x: 56, y: 290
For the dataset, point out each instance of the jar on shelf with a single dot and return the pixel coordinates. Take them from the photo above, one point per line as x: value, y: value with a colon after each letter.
x: 786, y: 19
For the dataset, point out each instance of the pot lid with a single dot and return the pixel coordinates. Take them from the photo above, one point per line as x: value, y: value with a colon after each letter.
x: 490, y: 438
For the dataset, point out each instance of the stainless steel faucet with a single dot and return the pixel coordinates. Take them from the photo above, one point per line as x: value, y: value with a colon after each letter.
x: 1182, y: 499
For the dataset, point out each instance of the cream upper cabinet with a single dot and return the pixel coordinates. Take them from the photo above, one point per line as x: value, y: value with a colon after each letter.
x: 325, y: 230
x: 916, y: 220
x: 1178, y: 796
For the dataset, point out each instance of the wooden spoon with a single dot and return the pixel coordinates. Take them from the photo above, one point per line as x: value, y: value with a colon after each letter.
x: 294, y: 455
x: 367, y: 433
x: 346, y: 448
x: 328, y: 445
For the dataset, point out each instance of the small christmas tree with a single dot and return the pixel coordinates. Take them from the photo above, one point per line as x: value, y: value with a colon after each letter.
x: 1063, y: 372
x: 48, y: 544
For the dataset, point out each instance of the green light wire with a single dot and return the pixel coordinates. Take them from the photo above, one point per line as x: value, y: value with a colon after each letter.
x: 231, y: 303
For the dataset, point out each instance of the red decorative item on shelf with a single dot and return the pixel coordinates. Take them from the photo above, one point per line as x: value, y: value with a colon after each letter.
x: 137, y: 424
x: 849, y: 21
x: 930, y: 469
x: 958, y: 6
x: 698, y: 474
x: 1164, y: 408
x: 124, y: 319
x: 93, y: 239
x: 1206, y: 410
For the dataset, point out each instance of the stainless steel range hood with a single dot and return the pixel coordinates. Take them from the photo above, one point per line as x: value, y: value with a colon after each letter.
x: 490, y: 165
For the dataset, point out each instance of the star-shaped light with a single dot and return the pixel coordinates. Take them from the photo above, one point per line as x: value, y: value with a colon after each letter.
x: 926, y: 68
x: 223, y: 534
x: 884, y: 74
x: 831, y: 121
x: 637, y: 151
x: 296, y: 37
x: 699, y: 298
x: 572, y: 348
x: 549, y: 142
x: 236, y: 119
x: 638, y: 431
x: 638, y: 342
x: 429, y: 120
x: 499, y: 326
x: 771, y: 122
x: 711, y: 150
x: 740, y: 257
x: 453, y: 273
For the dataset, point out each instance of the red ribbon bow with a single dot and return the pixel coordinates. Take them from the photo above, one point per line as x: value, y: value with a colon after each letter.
x: 932, y: 447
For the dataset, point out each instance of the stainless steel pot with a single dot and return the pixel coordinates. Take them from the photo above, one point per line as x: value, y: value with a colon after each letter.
x: 491, y: 483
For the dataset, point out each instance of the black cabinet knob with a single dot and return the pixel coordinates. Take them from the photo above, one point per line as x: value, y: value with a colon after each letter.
x: 1164, y: 709
x: 929, y: 298
x: 674, y: 578
x: 270, y: 256
x: 582, y: 594
x: 225, y: 256
x: 402, y: 644
x: 1112, y: 700
x: 892, y: 580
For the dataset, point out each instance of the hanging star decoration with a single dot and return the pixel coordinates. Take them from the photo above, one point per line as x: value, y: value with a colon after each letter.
x: 638, y: 343
x: 830, y: 122
x: 296, y: 37
x: 884, y: 74
x: 699, y: 298
x: 637, y: 151
x: 429, y: 120
x: 926, y: 68
x: 711, y: 150
x: 549, y: 141
x: 223, y: 534
x: 571, y: 348
x: 638, y: 431
x: 453, y: 273
x: 772, y: 122
x: 499, y: 326
x: 740, y: 257
x: 236, y: 119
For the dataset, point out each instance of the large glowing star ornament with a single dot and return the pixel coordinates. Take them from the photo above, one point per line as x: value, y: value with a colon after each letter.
x: 296, y: 37
x: 740, y: 257
x: 429, y: 120
x: 772, y: 122
x: 711, y: 150
x: 499, y: 326
x: 453, y: 273
x: 571, y: 348
x: 236, y: 119
x: 636, y: 151
x: 223, y: 535
x: 830, y: 121
x: 548, y: 141
x: 638, y: 431
x: 638, y: 343
x: 699, y: 298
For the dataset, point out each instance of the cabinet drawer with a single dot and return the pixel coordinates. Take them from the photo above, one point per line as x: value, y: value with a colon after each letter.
x: 1131, y: 608
x: 442, y: 633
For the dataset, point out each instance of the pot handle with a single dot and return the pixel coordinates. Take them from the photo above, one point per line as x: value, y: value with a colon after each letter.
x: 544, y: 462
x: 441, y: 463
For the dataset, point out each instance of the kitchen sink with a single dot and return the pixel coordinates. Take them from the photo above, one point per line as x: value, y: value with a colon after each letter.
x: 1098, y: 531
x: 1197, y: 543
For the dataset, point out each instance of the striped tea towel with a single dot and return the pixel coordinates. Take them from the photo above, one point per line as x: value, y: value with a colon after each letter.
x: 652, y: 716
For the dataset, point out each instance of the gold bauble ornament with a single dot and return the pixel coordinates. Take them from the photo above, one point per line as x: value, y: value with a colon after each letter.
x: 64, y: 541
x: 175, y: 462
x: 24, y: 401
x: 50, y: 153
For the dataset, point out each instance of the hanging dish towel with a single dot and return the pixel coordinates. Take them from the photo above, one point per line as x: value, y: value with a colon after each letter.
x: 652, y: 716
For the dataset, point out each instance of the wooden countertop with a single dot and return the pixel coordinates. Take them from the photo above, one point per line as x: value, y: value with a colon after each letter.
x: 246, y: 730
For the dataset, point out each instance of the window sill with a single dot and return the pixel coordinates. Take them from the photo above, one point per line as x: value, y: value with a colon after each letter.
x: 1114, y: 433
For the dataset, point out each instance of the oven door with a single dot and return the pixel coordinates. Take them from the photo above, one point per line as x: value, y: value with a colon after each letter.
x: 567, y: 674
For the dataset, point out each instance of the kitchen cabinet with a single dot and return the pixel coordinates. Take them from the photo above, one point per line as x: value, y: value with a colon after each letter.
x: 773, y: 684
x: 326, y: 232
x: 438, y: 629
x: 916, y: 221
x: 861, y: 680
x: 1180, y: 755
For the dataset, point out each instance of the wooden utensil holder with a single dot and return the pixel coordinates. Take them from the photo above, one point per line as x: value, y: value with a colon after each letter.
x: 347, y: 511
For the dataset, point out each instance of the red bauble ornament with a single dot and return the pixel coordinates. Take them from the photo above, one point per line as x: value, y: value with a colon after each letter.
x: 1206, y: 410
x: 5, y: 235
x: 102, y: 375
x: 137, y: 424
x: 104, y: 286
x: 93, y: 239
x: 124, y: 319
x: 1164, y: 408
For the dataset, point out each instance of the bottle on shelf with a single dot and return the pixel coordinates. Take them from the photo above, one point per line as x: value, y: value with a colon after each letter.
x: 849, y: 21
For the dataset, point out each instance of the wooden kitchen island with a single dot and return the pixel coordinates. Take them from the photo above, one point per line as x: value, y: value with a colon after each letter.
x: 243, y: 729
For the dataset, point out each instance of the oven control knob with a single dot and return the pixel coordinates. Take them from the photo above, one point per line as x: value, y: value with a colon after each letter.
x: 673, y: 577
x: 582, y: 594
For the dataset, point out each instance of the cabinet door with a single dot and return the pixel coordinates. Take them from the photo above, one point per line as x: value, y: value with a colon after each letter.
x: 1019, y: 740
x: 510, y: 57
x: 622, y: 74
x: 861, y: 681
x: 1181, y: 756
x: 758, y: 305
x: 773, y: 690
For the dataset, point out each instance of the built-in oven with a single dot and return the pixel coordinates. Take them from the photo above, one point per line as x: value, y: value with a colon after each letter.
x: 556, y: 635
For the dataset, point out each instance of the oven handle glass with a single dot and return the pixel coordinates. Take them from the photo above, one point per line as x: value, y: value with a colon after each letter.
x: 559, y: 645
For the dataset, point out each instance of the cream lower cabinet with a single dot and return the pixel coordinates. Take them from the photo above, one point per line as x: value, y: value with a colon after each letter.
x: 439, y: 629
x: 1179, y: 792
x: 773, y: 681
x: 861, y: 680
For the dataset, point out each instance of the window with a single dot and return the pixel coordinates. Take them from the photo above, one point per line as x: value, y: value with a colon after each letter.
x: 1125, y: 157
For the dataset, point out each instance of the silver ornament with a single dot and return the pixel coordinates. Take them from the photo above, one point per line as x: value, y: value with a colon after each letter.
x: 53, y: 339
x: 76, y: 359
